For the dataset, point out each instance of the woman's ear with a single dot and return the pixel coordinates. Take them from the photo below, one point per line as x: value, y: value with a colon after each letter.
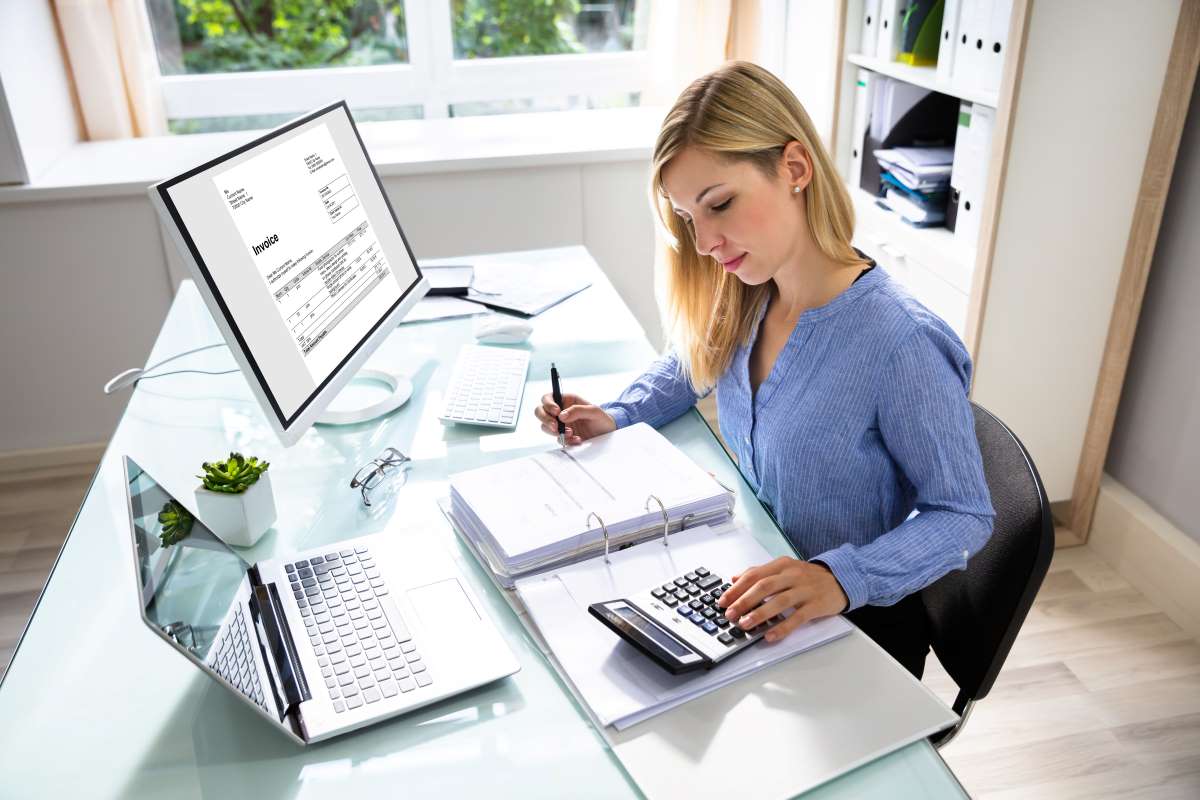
x: 797, y: 166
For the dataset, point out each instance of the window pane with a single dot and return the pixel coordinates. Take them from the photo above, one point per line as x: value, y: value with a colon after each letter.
x: 204, y: 36
x: 263, y: 121
x: 529, y: 104
x: 497, y: 28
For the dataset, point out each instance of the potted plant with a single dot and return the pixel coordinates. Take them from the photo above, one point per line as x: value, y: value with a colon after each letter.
x: 235, y: 500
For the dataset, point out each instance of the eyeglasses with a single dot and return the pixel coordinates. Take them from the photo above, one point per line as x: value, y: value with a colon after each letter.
x: 390, y: 467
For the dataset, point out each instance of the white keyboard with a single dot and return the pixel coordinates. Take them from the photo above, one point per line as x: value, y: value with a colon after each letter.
x: 486, y: 387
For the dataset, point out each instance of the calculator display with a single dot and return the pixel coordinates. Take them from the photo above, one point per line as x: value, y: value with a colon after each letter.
x: 651, y: 630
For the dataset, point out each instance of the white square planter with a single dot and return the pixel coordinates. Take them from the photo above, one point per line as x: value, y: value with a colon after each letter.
x: 238, y: 519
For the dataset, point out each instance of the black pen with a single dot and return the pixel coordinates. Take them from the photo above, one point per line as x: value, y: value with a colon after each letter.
x: 562, y: 429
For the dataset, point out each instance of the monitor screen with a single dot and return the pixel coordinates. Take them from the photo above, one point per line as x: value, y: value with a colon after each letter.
x: 299, y: 249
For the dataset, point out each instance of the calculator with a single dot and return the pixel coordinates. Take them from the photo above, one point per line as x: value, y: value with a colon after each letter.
x: 679, y: 624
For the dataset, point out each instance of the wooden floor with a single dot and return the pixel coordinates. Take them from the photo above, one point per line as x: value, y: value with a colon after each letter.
x: 1100, y: 697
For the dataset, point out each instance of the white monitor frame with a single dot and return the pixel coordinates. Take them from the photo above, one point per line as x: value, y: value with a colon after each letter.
x: 289, y: 430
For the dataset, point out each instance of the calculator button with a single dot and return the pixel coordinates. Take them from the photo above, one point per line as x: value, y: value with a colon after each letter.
x: 691, y: 576
x: 669, y: 601
x: 699, y: 620
x: 722, y: 622
x: 685, y: 612
x: 708, y: 613
x: 696, y: 604
x: 658, y: 594
x: 681, y: 595
x: 737, y: 632
x: 708, y: 582
x: 725, y: 638
x: 681, y: 582
x: 702, y: 572
x: 709, y: 627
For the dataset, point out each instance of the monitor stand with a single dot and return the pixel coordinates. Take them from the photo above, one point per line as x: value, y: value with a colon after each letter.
x: 370, y: 394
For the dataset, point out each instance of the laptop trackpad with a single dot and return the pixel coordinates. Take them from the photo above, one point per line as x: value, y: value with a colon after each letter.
x: 442, y: 605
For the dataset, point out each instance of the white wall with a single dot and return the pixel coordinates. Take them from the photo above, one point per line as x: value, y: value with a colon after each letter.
x: 1155, y: 447
x: 37, y: 89
x: 89, y: 281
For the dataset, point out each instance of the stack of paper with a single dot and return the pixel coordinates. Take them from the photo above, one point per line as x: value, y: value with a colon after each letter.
x: 619, y: 685
x: 534, y: 513
x: 916, y: 182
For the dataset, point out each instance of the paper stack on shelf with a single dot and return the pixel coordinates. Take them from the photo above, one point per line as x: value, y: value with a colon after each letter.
x: 916, y: 182
x: 530, y: 514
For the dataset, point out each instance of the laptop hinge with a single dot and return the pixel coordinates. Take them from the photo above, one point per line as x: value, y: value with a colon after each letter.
x: 277, y: 640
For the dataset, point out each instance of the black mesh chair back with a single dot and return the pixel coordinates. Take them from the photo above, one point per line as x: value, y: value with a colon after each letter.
x: 974, y: 614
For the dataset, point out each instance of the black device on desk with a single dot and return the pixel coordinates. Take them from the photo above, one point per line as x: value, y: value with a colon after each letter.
x: 679, y: 624
x: 452, y: 280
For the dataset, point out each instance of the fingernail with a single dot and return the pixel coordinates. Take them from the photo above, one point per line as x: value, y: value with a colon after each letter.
x: 745, y: 622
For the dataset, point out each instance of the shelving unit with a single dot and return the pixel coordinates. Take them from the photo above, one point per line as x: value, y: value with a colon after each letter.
x: 925, y: 77
x: 1083, y: 142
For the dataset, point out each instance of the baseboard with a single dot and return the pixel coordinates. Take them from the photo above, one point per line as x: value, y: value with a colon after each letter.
x: 46, y: 462
x: 1160, y: 560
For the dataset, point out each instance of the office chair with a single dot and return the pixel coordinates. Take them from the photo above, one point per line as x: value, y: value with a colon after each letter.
x: 974, y: 614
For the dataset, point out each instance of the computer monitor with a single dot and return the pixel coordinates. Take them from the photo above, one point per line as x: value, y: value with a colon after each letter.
x: 298, y: 253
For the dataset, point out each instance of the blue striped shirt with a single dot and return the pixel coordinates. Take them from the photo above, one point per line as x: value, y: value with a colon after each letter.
x: 863, y: 419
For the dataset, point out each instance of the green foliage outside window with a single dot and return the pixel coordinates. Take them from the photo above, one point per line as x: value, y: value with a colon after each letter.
x: 247, y: 35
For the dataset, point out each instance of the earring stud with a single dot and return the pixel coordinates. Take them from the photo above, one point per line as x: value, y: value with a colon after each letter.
x: 795, y: 190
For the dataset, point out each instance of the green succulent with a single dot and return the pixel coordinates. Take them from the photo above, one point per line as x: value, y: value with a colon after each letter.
x: 234, y: 475
x: 176, y: 523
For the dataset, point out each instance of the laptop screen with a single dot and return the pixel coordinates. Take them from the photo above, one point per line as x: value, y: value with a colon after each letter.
x: 188, y: 578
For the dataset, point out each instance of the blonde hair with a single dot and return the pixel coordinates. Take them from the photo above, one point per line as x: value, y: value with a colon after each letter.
x: 740, y: 112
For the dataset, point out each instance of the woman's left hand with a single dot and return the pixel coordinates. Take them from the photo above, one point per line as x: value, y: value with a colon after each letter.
x: 810, y: 589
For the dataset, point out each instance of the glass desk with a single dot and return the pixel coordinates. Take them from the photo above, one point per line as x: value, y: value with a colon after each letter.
x: 95, y: 705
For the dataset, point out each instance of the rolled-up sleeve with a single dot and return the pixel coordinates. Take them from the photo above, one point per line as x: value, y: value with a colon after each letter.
x: 661, y: 394
x: 927, y: 426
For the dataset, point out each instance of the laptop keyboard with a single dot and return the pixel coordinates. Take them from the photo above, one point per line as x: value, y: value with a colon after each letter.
x: 362, y: 645
x: 234, y: 660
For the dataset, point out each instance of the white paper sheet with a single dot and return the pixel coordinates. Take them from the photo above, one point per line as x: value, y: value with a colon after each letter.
x: 440, y: 307
x: 619, y: 684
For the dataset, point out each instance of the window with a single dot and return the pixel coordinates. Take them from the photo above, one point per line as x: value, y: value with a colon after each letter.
x: 237, y: 64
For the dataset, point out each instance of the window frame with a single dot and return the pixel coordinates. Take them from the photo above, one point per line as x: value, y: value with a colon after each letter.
x: 433, y: 79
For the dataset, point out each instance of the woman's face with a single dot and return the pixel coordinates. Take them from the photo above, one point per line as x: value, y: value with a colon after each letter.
x: 749, y: 223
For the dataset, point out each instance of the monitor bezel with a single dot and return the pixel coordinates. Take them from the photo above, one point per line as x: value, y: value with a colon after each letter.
x: 289, y: 429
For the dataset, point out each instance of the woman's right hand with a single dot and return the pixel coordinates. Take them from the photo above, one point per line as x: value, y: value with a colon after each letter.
x: 583, y: 420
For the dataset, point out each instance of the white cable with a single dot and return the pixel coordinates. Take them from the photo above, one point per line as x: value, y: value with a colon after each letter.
x: 131, y: 376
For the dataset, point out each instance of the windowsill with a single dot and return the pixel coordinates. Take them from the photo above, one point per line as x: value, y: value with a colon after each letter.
x: 407, y: 147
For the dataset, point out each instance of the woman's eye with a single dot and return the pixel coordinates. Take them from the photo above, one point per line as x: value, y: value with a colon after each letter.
x: 723, y: 206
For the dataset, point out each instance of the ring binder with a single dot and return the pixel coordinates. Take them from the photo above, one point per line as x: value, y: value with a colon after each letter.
x: 666, y: 519
x: 604, y: 528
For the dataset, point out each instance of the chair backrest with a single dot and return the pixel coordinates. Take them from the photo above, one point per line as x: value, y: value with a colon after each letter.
x: 974, y: 614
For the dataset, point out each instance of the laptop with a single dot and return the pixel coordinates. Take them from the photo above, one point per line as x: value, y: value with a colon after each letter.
x: 319, y: 642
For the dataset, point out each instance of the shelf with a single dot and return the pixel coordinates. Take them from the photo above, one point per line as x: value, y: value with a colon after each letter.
x: 925, y: 77
x: 934, y: 248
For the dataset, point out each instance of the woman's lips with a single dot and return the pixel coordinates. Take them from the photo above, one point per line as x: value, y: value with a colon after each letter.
x: 731, y: 266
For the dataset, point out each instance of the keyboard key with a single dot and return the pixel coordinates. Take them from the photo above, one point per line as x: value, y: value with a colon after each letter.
x: 305, y: 573
x: 417, y: 667
x: 350, y: 690
x: 388, y: 688
x: 353, y: 702
x: 372, y: 695
x: 316, y: 560
x: 423, y: 679
x: 406, y: 684
x: 411, y: 657
x: 290, y: 567
x: 339, y: 706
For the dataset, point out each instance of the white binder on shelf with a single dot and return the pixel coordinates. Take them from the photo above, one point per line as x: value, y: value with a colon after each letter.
x: 562, y: 506
x: 869, y: 39
x: 863, y: 94
x: 968, y: 177
x: 995, y: 47
x: 974, y: 29
x: 890, y: 33
x: 947, y: 41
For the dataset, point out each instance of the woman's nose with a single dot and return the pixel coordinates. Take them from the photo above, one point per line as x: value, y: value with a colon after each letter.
x: 706, y: 240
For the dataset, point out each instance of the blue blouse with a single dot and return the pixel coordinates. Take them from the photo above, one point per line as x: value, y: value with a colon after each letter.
x: 863, y: 420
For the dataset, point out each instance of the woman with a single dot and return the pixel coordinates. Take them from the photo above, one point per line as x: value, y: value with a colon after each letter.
x: 844, y: 399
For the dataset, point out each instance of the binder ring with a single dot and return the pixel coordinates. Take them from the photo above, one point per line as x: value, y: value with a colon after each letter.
x: 604, y: 528
x: 666, y: 521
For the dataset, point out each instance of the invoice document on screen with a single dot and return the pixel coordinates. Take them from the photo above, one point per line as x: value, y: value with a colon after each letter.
x: 312, y: 244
